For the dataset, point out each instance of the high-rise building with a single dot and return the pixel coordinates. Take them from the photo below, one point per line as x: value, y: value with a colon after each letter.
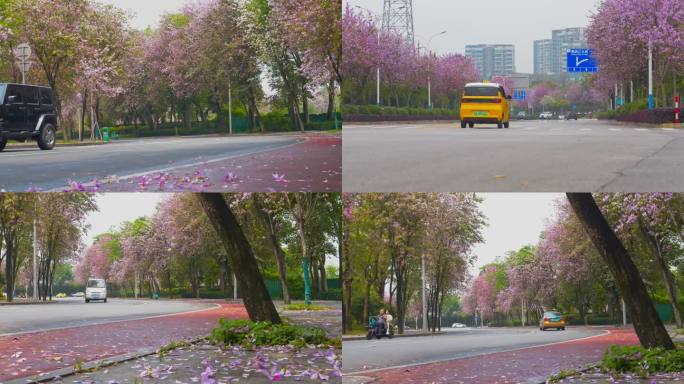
x: 492, y: 59
x: 542, y: 57
x: 550, y: 55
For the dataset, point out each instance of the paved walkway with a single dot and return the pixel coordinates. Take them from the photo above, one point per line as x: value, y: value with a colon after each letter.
x: 530, y: 365
x: 33, y: 353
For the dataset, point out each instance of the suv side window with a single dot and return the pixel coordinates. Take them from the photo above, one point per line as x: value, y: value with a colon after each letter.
x: 45, y: 96
x: 13, y: 90
x: 31, y: 95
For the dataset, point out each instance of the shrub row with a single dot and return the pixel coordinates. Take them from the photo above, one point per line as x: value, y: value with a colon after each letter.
x: 376, y: 113
x: 249, y: 334
x: 638, y: 112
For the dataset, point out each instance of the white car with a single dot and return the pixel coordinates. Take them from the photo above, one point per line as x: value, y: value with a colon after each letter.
x: 561, y: 117
x: 96, y: 289
x: 546, y: 115
x: 457, y: 325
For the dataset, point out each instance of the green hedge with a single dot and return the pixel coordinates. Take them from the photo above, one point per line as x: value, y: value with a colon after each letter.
x: 273, y: 122
x: 375, y: 110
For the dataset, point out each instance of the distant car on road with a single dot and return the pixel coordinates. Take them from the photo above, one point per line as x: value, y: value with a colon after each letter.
x: 485, y: 103
x: 458, y: 325
x: 561, y: 117
x: 96, y: 289
x: 546, y: 115
x: 571, y: 116
x: 78, y: 294
x: 552, y: 319
x: 522, y: 115
x: 27, y: 112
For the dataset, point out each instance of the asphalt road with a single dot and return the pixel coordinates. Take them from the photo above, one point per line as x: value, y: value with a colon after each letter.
x: 26, y: 168
x: 531, y: 156
x: 74, y: 312
x: 365, y: 355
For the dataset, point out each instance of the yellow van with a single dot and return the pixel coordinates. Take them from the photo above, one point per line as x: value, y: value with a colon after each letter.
x: 485, y: 103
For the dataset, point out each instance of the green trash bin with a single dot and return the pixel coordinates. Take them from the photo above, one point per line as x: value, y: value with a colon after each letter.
x: 105, y: 134
x: 155, y: 296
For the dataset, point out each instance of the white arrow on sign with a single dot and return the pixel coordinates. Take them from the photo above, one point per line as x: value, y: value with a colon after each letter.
x: 578, y: 62
x: 22, y: 52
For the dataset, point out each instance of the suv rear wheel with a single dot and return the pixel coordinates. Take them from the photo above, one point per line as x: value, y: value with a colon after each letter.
x: 47, y: 138
x: 3, y: 143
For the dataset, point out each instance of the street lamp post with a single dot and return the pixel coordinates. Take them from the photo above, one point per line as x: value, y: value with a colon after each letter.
x: 377, y: 79
x: 422, y: 275
x: 429, y: 67
x: 650, y: 75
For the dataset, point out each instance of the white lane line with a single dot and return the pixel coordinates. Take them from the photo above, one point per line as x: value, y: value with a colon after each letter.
x: 642, y: 129
x: 668, y: 129
x: 215, y: 306
x: 586, y: 129
x: 606, y: 332
x: 615, y: 129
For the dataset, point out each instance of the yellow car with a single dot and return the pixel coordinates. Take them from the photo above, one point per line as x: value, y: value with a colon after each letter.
x: 485, y: 103
x: 552, y: 319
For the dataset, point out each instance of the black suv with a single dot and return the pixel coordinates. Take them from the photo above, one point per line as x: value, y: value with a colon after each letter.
x: 27, y: 112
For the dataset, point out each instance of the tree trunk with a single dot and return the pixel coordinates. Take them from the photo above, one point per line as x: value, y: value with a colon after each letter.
x: 331, y: 100
x: 345, y: 269
x: 647, y: 324
x: 255, y: 295
x: 654, y: 245
x: 268, y: 223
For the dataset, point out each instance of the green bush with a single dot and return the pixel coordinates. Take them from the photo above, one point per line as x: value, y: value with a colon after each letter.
x: 304, y: 307
x: 642, y: 361
x: 375, y: 110
x: 249, y: 334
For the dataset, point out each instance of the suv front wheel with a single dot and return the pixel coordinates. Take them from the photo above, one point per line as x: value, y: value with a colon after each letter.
x: 47, y: 138
x: 3, y: 142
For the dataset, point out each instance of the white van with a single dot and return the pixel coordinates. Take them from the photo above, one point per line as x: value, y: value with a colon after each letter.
x: 96, y: 289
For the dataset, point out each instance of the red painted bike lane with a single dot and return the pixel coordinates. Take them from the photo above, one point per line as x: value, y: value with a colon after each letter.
x: 34, y: 353
x: 314, y: 165
x: 532, y: 364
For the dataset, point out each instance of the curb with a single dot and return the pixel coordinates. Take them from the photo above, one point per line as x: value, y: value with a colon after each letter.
x: 4, y: 303
x: 354, y: 338
x: 58, y: 145
x: 357, y: 379
x: 392, y: 122
x: 91, y: 365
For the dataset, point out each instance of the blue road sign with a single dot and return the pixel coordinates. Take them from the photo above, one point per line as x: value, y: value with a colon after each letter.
x: 581, y: 60
x: 520, y: 94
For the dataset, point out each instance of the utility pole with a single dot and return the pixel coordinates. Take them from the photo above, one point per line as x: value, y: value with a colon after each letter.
x: 397, y: 17
x: 650, y: 75
x: 377, y: 96
x: 422, y: 275
x: 230, y: 107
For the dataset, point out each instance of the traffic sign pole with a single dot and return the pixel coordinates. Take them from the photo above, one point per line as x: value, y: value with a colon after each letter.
x: 676, y: 109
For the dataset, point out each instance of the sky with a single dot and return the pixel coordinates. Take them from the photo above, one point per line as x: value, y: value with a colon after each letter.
x: 517, y: 22
x: 146, y: 13
x: 515, y: 220
x: 116, y: 208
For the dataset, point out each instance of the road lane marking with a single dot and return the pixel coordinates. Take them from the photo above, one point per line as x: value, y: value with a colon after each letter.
x: 605, y: 332
x: 642, y: 129
x: 668, y: 129
x: 615, y: 129
x: 585, y: 129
